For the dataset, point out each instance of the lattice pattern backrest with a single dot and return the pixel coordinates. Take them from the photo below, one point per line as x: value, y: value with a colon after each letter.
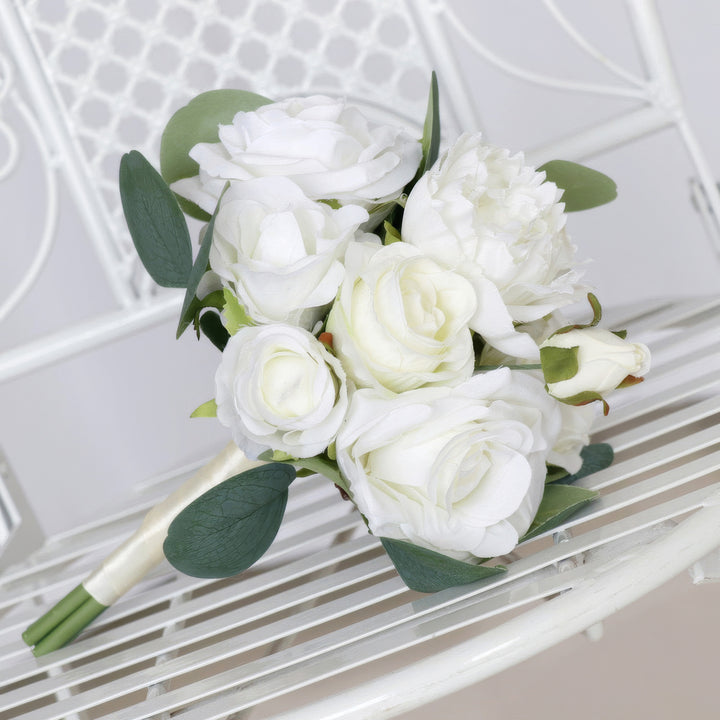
x: 121, y: 67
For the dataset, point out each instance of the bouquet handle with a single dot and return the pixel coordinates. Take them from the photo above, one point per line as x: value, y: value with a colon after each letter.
x: 131, y: 561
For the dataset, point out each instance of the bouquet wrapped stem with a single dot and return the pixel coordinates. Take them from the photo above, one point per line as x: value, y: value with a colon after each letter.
x: 131, y: 561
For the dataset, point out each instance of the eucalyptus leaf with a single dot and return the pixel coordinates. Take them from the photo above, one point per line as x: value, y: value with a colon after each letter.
x: 229, y: 528
x: 558, y: 504
x: 192, y: 305
x: 155, y: 221
x: 198, y: 122
x: 428, y: 571
x: 595, y: 457
x: 583, y: 188
x: 213, y: 328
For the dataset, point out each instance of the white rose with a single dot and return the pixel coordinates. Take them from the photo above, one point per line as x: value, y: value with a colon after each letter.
x: 401, y: 320
x: 278, y: 387
x: 457, y: 470
x: 493, y: 219
x: 574, y: 436
x: 327, y: 147
x: 280, y: 252
x: 601, y: 361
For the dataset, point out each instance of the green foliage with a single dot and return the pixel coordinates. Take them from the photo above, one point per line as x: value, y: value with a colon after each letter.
x: 195, y: 123
x: 392, y: 234
x: 583, y: 188
x: 207, y: 409
x: 431, y: 129
x: 212, y: 327
x: 595, y: 457
x: 558, y: 364
x: 192, y: 305
x: 558, y: 504
x: 155, y: 221
x: 428, y: 571
x: 230, y: 527
x: 234, y: 313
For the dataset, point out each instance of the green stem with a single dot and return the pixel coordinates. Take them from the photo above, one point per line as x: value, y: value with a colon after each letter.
x: 63, y: 622
x: 530, y: 366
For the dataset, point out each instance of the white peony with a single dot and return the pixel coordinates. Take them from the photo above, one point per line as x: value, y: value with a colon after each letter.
x: 486, y: 214
x: 278, y: 387
x: 457, y: 470
x: 603, y: 361
x: 327, y: 147
x: 401, y: 319
x: 280, y: 252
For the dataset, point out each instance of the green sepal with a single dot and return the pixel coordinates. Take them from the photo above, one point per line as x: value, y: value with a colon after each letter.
x: 597, y: 316
x: 320, y: 464
x: 229, y: 528
x: 559, y: 502
x: 622, y: 334
x: 583, y: 188
x: 207, y: 409
x: 212, y: 327
x: 629, y: 381
x: 558, y: 363
x: 198, y: 122
x: 234, y: 314
x: 334, y: 204
x: 585, y: 398
x: 192, y: 305
x: 155, y: 221
x: 428, y: 571
x: 392, y: 234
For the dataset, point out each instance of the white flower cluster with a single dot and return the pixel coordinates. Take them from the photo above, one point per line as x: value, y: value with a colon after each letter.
x: 433, y: 452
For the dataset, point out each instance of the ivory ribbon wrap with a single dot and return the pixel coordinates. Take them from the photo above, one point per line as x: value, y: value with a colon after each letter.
x: 129, y: 563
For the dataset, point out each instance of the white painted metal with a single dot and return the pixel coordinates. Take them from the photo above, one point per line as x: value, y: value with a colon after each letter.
x: 93, y: 79
x: 325, y: 602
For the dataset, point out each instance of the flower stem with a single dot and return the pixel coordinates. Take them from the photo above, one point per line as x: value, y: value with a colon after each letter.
x: 529, y: 366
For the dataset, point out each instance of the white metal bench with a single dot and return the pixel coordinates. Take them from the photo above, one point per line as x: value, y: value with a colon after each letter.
x: 325, y: 602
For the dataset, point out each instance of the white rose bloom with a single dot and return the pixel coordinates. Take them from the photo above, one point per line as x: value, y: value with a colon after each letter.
x: 278, y: 387
x: 573, y: 437
x: 604, y: 360
x: 327, y: 147
x: 457, y: 470
x: 484, y: 213
x: 280, y: 252
x: 401, y: 320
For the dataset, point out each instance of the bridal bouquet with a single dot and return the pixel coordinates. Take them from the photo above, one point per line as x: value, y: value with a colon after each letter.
x: 388, y: 319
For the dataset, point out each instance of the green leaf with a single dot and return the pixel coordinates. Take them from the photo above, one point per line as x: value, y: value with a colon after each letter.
x: 431, y: 130
x: 595, y: 457
x: 583, y: 187
x: 558, y: 504
x: 555, y: 473
x: 207, y: 409
x: 231, y: 526
x: 195, y: 123
x: 234, y: 313
x: 428, y: 571
x: 192, y: 305
x: 213, y: 328
x: 155, y: 221
x: 558, y: 364
x: 392, y: 235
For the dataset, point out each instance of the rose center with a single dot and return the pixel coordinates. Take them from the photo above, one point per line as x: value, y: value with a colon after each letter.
x: 288, y: 383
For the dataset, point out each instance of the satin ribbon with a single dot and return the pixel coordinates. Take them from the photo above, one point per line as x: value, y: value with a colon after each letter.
x: 129, y: 563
